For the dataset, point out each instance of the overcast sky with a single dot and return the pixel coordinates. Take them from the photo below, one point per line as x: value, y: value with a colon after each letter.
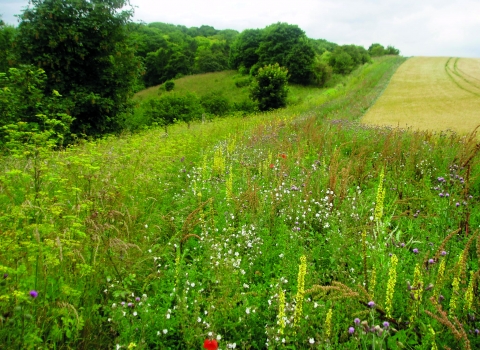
x: 416, y: 27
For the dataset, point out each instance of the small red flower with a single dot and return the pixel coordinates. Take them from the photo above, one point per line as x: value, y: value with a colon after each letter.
x: 272, y: 166
x: 210, y: 344
x: 283, y: 155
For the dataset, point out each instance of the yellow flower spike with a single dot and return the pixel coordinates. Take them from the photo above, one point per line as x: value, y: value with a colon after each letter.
x: 281, y: 311
x: 132, y: 345
x: 439, y: 281
x: 302, y: 271
x: 469, y: 293
x: 417, y: 292
x: 392, y: 280
x: 432, y: 332
x: 328, y: 324
x: 373, y: 282
x: 380, y: 198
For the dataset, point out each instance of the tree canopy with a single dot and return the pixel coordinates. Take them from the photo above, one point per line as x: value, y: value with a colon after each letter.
x: 82, y: 46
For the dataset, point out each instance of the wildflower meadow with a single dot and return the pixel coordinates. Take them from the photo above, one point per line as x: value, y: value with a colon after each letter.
x: 296, y: 229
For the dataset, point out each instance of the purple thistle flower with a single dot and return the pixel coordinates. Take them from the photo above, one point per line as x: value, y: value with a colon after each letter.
x: 371, y: 304
x: 477, y: 331
x: 457, y: 204
x: 137, y: 299
x: 440, y: 194
x: 443, y: 253
x: 130, y: 304
x: 122, y: 303
x: 351, y: 330
x: 356, y: 321
x: 415, y: 250
x: 440, y: 179
x: 386, y: 324
x: 33, y: 294
x: 402, y: 245
x: 431, y: 261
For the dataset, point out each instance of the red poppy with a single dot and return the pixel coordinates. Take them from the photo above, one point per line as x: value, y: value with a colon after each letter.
x: 283, y: 155
x: 271, y: 166
x: 210, y: 344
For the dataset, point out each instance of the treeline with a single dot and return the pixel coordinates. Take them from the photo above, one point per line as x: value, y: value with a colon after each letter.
x: 90, y: 58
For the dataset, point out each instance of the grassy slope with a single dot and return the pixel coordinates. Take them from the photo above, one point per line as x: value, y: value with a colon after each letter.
x: 431, y: 93
x: 166, y: 217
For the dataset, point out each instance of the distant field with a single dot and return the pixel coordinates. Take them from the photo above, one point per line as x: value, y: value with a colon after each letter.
x: 431, y: 93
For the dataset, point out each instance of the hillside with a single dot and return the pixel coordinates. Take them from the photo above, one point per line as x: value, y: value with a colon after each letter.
x: 431, y: 93
x: 298, y: 228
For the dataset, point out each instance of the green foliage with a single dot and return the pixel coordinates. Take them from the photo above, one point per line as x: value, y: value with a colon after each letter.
x: 376, y: 50
x: 243, y: 52
x: 83, y: 48
x: 288, y: 46
x: 215, y: 103
x: 7, y: 53
x: 270, y: 87
x: 25, y: 110
x: 169, y: 85
x: 170, y: 108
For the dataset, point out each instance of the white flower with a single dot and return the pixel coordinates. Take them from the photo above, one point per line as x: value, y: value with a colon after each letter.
x: 114, y: 306
x: 168, y: 316
x: 247, y: 310
x: 232, y: 346
x: 135, y: 313
x: 146, y: 226
x: 246, y: 285
x: 165, y: 331
x: 219, y: 337
x: 311, y: 340
x: 199, y: 320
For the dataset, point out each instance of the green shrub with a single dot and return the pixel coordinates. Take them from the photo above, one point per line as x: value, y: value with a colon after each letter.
x: 270, y: 88
x: 171, y: 108
x: 215, y: 103
x: 243, y: 81
x: 169, y: 85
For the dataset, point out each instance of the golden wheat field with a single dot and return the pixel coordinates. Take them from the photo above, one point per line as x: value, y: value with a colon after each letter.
x: 431, y: 93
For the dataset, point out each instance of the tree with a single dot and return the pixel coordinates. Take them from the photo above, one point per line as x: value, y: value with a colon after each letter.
x: 287, y: 45
x: 7, y: 35
x: 270, y: 87
x: 243, y: 52
x: 376, y: 50
x: 83, y: 47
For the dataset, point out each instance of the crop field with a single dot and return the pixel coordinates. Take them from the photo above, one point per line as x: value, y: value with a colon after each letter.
x: 431, y: 93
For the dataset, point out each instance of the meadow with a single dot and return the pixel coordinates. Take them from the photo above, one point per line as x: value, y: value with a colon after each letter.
x: 431, y: 93
x: 300, y: 228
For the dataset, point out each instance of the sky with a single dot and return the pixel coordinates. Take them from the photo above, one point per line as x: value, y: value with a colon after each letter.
x: 415, y: 27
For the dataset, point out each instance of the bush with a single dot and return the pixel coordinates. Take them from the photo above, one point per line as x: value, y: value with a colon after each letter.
x: 169, y: 85
x: 171, y: 108
x: 269, y: 89
x: 243, y: 81
x: 215, y: 103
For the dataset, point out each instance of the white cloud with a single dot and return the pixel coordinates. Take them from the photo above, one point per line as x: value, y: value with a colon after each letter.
x: 427, y: 27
